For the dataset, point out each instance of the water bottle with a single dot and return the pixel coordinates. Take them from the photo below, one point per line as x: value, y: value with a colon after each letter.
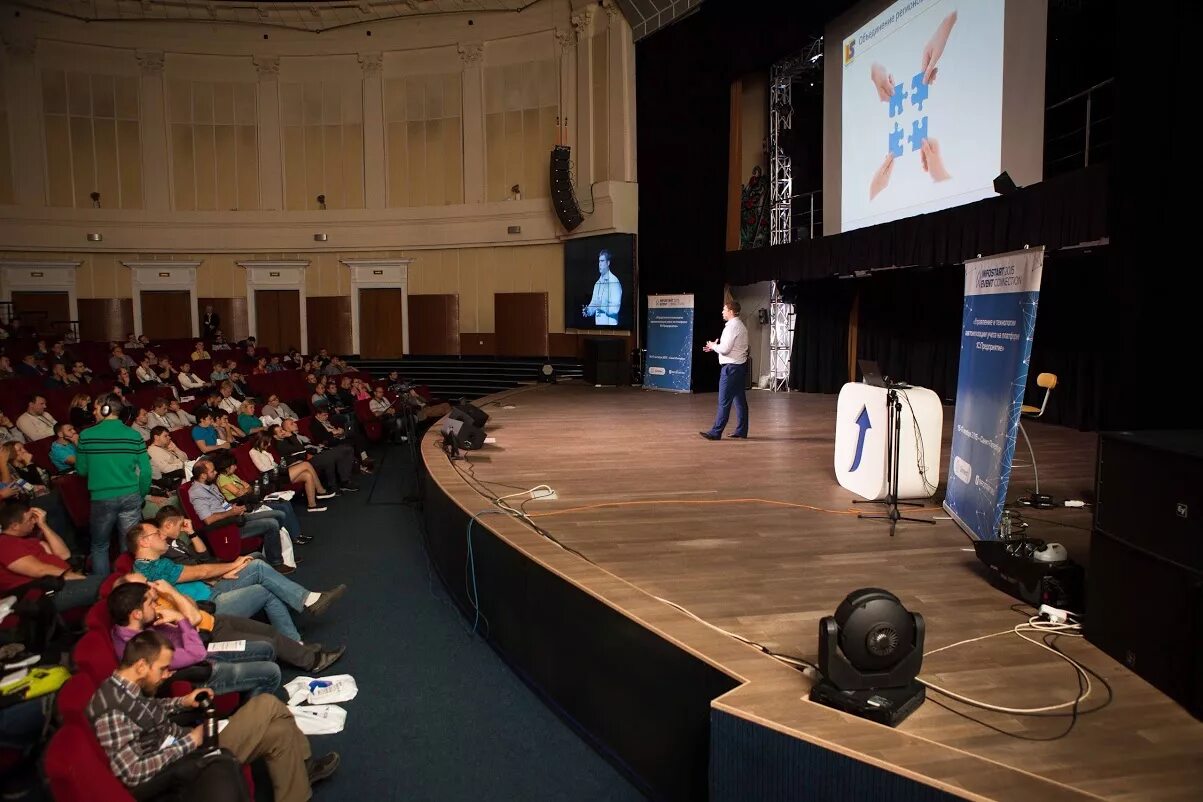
x: 1004, y: 526
x: 205, y: 702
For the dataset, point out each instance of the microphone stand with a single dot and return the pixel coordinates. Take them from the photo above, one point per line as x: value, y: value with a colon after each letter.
x: 893, y: 443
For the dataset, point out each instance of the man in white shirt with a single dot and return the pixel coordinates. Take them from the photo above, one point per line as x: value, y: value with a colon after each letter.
x: 732, y: 350
x: 36, y: 422
x: 607, y: 294
x: 275, y: 408
x: 165, y: 456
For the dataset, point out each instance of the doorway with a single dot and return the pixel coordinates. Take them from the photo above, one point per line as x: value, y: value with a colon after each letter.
x: 278, y: 319
x: 381, y: 323
x: 166, y: 314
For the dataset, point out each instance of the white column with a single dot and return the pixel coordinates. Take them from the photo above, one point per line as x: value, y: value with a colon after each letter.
x: 473, y: 116
x: 156, y: 165
x: 620, y: 90
x: 375, y: 196
x: 24, y: 93
x: 271, y: 171
x: 582, y: 154
x: 566, y: 41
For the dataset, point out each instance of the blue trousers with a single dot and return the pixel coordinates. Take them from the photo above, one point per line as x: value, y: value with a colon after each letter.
x: 122, y: 511
x: 252, y: 671
x: 282, y: 593
x: 732, y: 384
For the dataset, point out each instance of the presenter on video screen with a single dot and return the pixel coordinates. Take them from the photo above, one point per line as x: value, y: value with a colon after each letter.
x: 732, y: 350
x: 607, y: 294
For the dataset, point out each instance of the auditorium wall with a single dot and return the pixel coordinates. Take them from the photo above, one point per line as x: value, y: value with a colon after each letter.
x: 148, y: 140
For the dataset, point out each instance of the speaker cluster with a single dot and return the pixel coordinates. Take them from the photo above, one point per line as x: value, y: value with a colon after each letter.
x: 563, y: 196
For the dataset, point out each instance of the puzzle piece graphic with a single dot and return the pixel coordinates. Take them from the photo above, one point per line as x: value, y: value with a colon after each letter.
x: 918, y: 92
x: 897, y: 98
x: 896, y: 141
x: 918, y: 134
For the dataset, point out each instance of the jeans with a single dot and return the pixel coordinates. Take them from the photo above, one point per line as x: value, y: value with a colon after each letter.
x: 124, y: 511
x: 268, y: 527
x: 732, y: 388
x: 253, y: 670
x: 246, y: 602
x: 282, y: 589
x: 78, y: 593
x: 283, y: 513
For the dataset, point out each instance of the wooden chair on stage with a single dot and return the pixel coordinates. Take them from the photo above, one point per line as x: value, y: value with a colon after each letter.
x: 1046, y: 381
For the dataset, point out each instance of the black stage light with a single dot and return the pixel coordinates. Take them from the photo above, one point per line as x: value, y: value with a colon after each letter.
x: 870, y: 652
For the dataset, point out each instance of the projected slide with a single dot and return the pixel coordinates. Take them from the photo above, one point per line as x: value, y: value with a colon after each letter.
x: 921, y: 109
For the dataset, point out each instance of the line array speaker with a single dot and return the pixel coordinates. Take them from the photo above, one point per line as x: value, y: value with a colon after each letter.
x: 563, y: 196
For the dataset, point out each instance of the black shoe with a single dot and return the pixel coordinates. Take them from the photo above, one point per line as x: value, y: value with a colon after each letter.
x: 708, y: 435
x: 326, y: 599
x: 348, y: 489
x: 321, y: 768
x: 737, y: 437
x: 326, y: 658
x: 301, y: 540
x: 284, y: 570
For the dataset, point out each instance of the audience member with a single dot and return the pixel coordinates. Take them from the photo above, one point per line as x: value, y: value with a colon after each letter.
x: 166, y: 460
x: 178, y: 416
x: 275, y: 408
x: 141, y: 424
x: 62, y: 453
x: 204, y: 433
x: 6, y: 368
x: 188, y: 380
x: 119, y: 360
x: 81, y: 412
x: 246, y: 420
x: 141, y: 739
x: 302, y: 471
x: 225, y: 583
x: 333, y: 465
x: 252, y: 671
x: 328, y: 434
x: 199, y: 353
x: 9, y: 432
x: 29, y: 367
x: 237, y: 491
x: 36, y: 422
x: 113, y: 459
x: 212, y: 509
x: 30, y: 549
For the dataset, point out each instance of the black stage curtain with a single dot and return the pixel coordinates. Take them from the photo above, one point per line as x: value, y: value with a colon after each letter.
x: 909, y: 321
x: 819, y: 360
x: 1063, y: 211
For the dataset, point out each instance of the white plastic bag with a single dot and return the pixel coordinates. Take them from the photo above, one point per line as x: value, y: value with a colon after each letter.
x: 321, y: 690
x: 286, y: 548
x: 319, y: 719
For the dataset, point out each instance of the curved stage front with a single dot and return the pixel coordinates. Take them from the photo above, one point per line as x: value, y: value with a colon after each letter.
x: 757, y: 538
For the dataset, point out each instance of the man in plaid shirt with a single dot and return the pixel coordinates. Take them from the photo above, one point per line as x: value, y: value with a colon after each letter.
x: 140, y: 739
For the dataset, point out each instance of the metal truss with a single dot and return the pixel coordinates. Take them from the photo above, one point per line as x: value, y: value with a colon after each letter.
x: 781, y: 197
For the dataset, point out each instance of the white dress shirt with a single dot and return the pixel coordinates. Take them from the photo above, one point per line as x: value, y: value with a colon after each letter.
x: 732, y: 347
x: 606, y: 300
x: 190, y: 381
x: 165, y: 460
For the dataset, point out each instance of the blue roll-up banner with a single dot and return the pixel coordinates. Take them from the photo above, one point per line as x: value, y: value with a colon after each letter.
x: 669, y: 363
x: 1001, y: 293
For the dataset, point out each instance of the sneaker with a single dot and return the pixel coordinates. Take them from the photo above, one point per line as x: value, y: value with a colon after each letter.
x: 321, y: 768
x: 348, y: 489
x: 330, y: 494
x: 326, y: 599
x: 315, y: 509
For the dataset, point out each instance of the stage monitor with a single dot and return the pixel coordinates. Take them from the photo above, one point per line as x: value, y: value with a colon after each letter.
x: 926, y: 102
x: 599, y: 282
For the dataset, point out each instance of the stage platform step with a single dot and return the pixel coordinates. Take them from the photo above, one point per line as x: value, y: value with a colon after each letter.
x: 469, y: 376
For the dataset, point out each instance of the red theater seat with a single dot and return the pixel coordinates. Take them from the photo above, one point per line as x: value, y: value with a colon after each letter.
x: 77, y: 768
x: 73, y: 698
x: 223, y: 541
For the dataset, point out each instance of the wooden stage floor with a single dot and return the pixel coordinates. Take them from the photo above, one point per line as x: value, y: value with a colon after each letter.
x: 664, y: 513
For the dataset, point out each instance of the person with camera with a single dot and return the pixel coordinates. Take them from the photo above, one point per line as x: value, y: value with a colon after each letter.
x: 151, y: 754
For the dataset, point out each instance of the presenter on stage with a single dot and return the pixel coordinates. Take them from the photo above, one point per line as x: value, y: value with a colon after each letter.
x: 607, y: 294
x: 732, y: 350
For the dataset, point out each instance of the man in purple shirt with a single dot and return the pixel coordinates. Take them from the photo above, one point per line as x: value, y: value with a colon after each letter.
x: 251, y: 668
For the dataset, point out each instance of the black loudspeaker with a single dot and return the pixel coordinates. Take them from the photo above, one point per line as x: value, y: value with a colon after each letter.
x: 563, y: 196
x: 1144, y: 584
x: 465, y: 435
x: 606, y: 362
x: 470, y: 413
x: 1004, y: 184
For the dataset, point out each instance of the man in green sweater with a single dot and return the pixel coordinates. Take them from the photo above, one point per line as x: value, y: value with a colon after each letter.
x: 113, y: 458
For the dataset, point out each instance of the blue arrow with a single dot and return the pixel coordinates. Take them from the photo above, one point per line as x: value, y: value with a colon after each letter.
x: 862, y: 420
